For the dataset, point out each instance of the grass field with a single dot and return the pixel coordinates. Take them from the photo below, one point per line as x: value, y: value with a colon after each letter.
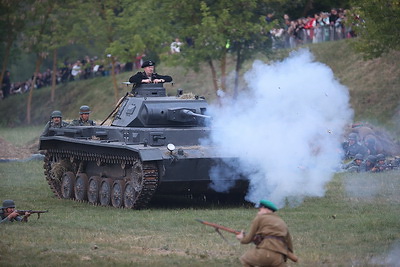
x: 356, y: 223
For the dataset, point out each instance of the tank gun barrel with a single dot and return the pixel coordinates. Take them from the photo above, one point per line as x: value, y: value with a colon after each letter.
x: 191, y: 113
x: 184, y: 115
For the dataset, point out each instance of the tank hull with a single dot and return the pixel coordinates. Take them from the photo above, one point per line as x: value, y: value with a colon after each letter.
x: 184, y: 171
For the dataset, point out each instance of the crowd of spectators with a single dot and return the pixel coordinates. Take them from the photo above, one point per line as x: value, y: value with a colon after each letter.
x: 82, y: 69
x: 287, y: 33
x: 317, y: 28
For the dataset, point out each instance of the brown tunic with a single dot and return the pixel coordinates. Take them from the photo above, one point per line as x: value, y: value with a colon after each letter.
x: 272, y: 247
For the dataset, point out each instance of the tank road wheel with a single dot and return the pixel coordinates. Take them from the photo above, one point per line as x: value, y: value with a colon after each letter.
x: 129, y: 196
x: 117, y: 194
x: 67, y: 185
x: 93, y: 190
x: 105, y: 192
x: 81, y: 187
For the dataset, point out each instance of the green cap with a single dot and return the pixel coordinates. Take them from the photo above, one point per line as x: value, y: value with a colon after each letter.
x: 268, y: 204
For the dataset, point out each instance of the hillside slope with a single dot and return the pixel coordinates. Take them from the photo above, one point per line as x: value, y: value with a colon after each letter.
x: 373, y: 87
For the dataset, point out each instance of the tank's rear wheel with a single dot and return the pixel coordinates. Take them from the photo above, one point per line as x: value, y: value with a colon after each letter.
x: 81, y: 186
x: 67, y: 185
x: 105, y: 192
x: 117, y: 194
x: 130, y: 196
x: 93, y: 190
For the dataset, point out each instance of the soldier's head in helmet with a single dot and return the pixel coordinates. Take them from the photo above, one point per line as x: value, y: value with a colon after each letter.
x: 84, y: 112
x: 56, y: 117
x: 10, y: 214
x: 352, y: 138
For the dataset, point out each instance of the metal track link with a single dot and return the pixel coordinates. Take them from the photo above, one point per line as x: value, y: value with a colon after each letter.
x: 150, y: 178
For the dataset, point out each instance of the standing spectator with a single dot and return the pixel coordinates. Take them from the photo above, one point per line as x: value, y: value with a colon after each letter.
x: 76, y: 70
x: 176, y: 46
x: 332, y: 20
x: 6, y: 84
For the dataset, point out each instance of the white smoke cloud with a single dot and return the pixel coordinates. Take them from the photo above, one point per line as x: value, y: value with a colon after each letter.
x: 286, y: 130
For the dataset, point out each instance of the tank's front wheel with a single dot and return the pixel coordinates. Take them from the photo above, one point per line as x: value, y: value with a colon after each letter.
x: 130, y: 196
x: 117, y: 194
x: 67, y: 185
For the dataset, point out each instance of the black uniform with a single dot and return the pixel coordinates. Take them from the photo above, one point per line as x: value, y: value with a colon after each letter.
x: 138, y: 77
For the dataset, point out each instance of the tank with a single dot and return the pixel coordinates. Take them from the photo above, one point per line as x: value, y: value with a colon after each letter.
x: 150, y: 146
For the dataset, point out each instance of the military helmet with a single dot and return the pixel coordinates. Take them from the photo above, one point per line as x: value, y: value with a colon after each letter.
x: 380, y: 157
x: 371, y: 158
x: 353, y: 136
x: 56, y: 114
x: 8, y: 203
x: 84, y: 110
x: 358, y: 156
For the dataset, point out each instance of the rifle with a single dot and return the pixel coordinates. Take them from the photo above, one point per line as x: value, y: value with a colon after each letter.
x: 256, y: 240
x: 22, y: 212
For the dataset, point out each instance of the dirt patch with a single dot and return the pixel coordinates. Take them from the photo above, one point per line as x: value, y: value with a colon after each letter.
x: 9, y: 151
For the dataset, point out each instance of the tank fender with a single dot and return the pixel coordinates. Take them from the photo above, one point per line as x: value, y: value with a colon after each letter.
x: 150, y: 154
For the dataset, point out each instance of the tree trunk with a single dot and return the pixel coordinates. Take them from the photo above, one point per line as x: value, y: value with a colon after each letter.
x: 114, y: 79
x: 39, y: 60
x: 5, y: 60
x: 237, y: 69
x: 214, y: 75
x: 54, y: 76
x: 223, y: 72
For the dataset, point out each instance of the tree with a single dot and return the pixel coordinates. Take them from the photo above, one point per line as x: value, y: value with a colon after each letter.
x: 36, y: 39
x: 219, y: 28
x: 12, y: 21
x: 375, y: 23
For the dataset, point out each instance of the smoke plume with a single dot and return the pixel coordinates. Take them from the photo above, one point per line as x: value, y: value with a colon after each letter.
x: 285, y: 130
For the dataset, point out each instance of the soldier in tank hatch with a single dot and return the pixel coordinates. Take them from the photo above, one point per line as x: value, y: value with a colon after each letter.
x: 84, y: 113
x: 148, y: 75
x: 55, y: 121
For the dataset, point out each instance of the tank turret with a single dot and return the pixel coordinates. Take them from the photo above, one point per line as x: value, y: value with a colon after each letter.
x: 148, y: 107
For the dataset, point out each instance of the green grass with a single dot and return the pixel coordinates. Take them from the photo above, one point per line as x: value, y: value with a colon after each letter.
x: 21, y: 136
x: 356, y: 223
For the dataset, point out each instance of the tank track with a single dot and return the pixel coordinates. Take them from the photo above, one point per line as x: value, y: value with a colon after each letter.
x: 148, y: 186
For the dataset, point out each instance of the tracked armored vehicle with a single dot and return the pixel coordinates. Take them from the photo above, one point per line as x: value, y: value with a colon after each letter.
x: 151, y: 146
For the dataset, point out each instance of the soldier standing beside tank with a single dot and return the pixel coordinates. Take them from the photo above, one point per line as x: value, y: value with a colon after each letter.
x: 148, y: 75
x: 84, y: 113
x: 274, y: 237
x: 8, y: 213
x: 55, y: 122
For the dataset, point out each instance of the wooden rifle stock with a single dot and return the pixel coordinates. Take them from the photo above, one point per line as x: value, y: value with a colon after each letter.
x: 290, y: 254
